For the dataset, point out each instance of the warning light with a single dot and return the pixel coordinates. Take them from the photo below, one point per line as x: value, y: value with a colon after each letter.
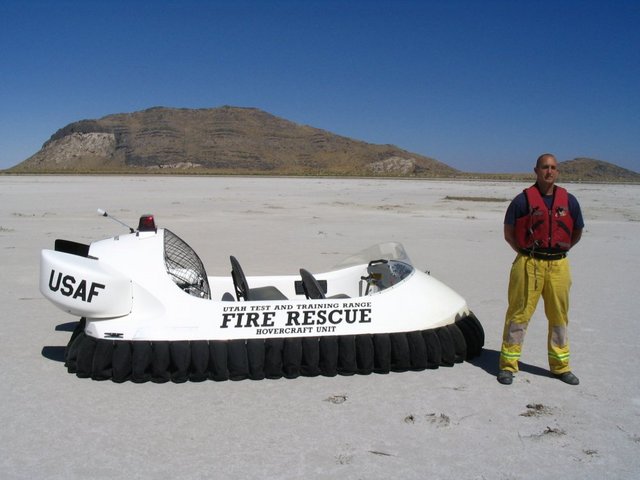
x: 147, y: 224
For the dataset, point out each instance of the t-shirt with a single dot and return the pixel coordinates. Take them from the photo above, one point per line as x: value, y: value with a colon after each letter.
x: 519, y: 208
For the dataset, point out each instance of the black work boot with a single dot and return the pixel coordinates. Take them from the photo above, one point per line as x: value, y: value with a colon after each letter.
x: 505, y: 377
x: 567, y: 377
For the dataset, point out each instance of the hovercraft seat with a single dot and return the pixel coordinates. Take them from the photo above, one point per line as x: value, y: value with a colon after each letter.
x: 247, y: 294
x: 313, y: 289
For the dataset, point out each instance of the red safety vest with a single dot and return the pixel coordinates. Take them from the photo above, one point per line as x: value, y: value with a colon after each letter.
x: 544, y: 228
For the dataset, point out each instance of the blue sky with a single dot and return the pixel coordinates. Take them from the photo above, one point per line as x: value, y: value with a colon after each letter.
x: 483, y: 86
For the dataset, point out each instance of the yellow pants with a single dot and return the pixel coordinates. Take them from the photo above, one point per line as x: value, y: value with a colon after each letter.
x: 530, y: 278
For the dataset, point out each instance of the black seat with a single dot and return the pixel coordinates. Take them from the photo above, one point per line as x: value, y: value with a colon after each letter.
x: 247, y: 294
x: 227, y: 297
x: 312, y: 288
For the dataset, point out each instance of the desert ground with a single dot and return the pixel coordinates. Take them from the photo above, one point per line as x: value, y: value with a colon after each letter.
x: 448, y: 423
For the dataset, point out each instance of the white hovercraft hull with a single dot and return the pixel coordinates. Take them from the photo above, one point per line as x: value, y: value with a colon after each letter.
x: 150, y: 312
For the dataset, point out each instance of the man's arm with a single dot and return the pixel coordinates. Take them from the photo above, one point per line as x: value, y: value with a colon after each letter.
x: 576, y: 236
x: 510, y: 236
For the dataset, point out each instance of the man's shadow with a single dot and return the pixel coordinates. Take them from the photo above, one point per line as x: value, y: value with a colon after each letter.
x: 488, y: 361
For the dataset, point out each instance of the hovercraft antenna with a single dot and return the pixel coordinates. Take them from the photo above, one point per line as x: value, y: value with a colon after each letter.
x: 105, y: 214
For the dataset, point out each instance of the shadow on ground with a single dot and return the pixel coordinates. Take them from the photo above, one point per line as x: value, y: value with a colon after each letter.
x: 56, y: 353
x: 66, y: 327
x: 488, y: 361
x: 53, y: 353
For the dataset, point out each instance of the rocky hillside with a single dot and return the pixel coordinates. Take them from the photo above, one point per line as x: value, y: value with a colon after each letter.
x: 589, y: 169
x: 233, y: 140
x: 218, y: 140
x: 576, y: 170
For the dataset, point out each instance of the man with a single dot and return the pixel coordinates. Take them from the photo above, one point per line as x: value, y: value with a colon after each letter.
x: 541, y: 225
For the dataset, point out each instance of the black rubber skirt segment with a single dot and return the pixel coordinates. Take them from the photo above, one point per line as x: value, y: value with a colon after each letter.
x: 256, y: 359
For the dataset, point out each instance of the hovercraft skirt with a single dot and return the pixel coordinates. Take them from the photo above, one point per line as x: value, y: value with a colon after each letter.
x: 256, y: 359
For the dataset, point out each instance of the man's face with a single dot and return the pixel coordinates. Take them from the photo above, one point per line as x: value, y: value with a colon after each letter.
x: 547, y: 171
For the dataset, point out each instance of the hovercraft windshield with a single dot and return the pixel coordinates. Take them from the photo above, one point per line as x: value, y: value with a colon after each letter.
x: 381, y: 251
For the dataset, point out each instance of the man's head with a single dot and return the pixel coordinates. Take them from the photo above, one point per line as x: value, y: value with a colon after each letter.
x: 546, y: 171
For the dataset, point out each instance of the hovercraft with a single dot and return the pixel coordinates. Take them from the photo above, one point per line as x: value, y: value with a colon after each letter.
x: 149, y: 312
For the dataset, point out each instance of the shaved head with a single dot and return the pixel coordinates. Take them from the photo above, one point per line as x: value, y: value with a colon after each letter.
x: 544, y: 157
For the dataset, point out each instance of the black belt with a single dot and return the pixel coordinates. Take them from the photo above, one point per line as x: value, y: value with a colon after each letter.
x: 543, y: 255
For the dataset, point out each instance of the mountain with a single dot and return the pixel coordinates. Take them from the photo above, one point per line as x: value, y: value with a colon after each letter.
x: 234, y: 140
x: 218, y: 140
x: 589, y: 169
x: 576, y: 170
